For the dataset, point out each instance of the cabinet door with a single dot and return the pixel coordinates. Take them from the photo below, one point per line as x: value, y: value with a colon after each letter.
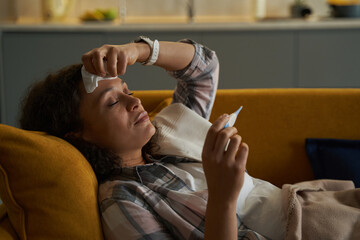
x: 329, y: 58
x: 258, y: 59
x: 29, y: 57
x: 140, y: 77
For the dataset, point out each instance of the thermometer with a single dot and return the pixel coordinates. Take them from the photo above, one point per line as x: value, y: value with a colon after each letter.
x: 233, y: 117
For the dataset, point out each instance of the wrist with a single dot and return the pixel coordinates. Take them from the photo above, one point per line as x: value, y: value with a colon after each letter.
x: 144, y: 51
x: 222, y: 204
x: 154, y: 49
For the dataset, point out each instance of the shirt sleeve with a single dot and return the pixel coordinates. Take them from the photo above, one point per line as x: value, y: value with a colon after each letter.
x: 127, y: 220
x: 198, y: 82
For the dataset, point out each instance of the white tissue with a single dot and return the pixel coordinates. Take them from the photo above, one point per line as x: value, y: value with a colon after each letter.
x: 180, y: 131
x: 91, y: 80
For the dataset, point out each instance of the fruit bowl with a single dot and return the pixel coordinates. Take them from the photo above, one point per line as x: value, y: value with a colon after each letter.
x: 99, y: 15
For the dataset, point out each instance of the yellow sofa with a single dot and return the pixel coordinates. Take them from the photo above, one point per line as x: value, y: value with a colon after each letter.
x: 49, y: 190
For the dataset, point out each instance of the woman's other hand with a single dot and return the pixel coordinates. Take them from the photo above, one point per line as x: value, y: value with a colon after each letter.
x: 224, y: 169
x: 117, y: 58
x: 224, y: 172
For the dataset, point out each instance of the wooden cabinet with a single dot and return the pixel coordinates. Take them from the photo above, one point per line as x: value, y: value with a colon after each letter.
x: 248, y: 58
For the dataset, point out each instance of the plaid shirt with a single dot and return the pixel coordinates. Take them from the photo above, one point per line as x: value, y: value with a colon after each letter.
x: 151, y: 201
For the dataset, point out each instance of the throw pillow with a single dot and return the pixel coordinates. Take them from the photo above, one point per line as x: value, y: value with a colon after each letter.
x: 335, y: 159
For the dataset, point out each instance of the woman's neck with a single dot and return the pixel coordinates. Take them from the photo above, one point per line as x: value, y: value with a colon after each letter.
x: 131, y: 160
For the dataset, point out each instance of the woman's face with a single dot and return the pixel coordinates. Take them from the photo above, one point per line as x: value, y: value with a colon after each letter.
x: 114, y: 119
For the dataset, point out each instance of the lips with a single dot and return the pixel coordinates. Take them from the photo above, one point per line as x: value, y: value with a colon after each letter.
x: 142, y: 117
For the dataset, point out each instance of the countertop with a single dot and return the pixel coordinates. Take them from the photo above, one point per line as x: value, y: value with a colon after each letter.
x: 267, y: 24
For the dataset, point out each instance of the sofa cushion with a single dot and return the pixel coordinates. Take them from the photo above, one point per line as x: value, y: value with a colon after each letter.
x: 47, y: 186
x: 335, y: 159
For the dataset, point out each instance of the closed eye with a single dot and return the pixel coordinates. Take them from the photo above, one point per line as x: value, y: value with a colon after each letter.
x: 117, y: 101
x: 112, y: 104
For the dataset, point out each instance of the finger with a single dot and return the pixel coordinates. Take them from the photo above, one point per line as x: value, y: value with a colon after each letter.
x: 98, y: 63
x: 122, y: 64
x: 222, y: 139
x: 233, y: 147
x: 87, y: 62
x: 242, y: 155
x: 212, y: 132
x: 111, y: 57
x: 221, y: 122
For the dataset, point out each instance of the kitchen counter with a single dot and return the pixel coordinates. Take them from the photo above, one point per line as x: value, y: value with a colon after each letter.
x: 267, y: 24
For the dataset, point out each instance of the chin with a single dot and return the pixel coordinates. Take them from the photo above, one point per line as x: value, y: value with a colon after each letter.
x: 152, y: 130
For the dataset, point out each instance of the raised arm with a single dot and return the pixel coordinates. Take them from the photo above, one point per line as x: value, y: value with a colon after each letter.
x: 195, y: 67
x: 173, y: 56
x: 197, y: 83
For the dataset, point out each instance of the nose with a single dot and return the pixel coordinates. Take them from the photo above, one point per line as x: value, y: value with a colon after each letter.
x: 133, y: 103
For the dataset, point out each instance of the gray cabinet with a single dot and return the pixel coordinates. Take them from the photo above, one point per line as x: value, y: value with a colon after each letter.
x: 29, y: 57
x: 329, y: 58
x: 254, y: 59
x: 248, y: 59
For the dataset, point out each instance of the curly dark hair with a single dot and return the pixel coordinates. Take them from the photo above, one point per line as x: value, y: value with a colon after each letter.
x: 52, y: 106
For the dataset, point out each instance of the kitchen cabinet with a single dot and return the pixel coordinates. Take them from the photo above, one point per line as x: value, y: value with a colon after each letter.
x: 329, y: 58
x: 251, y: 56
x: 29, y: 57
x: 254, y: 59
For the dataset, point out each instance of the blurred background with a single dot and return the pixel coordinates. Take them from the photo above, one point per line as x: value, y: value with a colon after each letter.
x: 260, y: 43
x: 203, y: 10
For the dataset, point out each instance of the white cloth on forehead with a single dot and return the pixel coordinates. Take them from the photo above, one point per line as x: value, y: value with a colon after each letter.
x: 91, y: 80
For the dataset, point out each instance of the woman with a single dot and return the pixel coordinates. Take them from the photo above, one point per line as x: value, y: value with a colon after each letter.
x: 141, y: 196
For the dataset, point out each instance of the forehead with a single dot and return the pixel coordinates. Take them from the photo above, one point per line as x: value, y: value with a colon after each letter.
x: 103, y: 87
